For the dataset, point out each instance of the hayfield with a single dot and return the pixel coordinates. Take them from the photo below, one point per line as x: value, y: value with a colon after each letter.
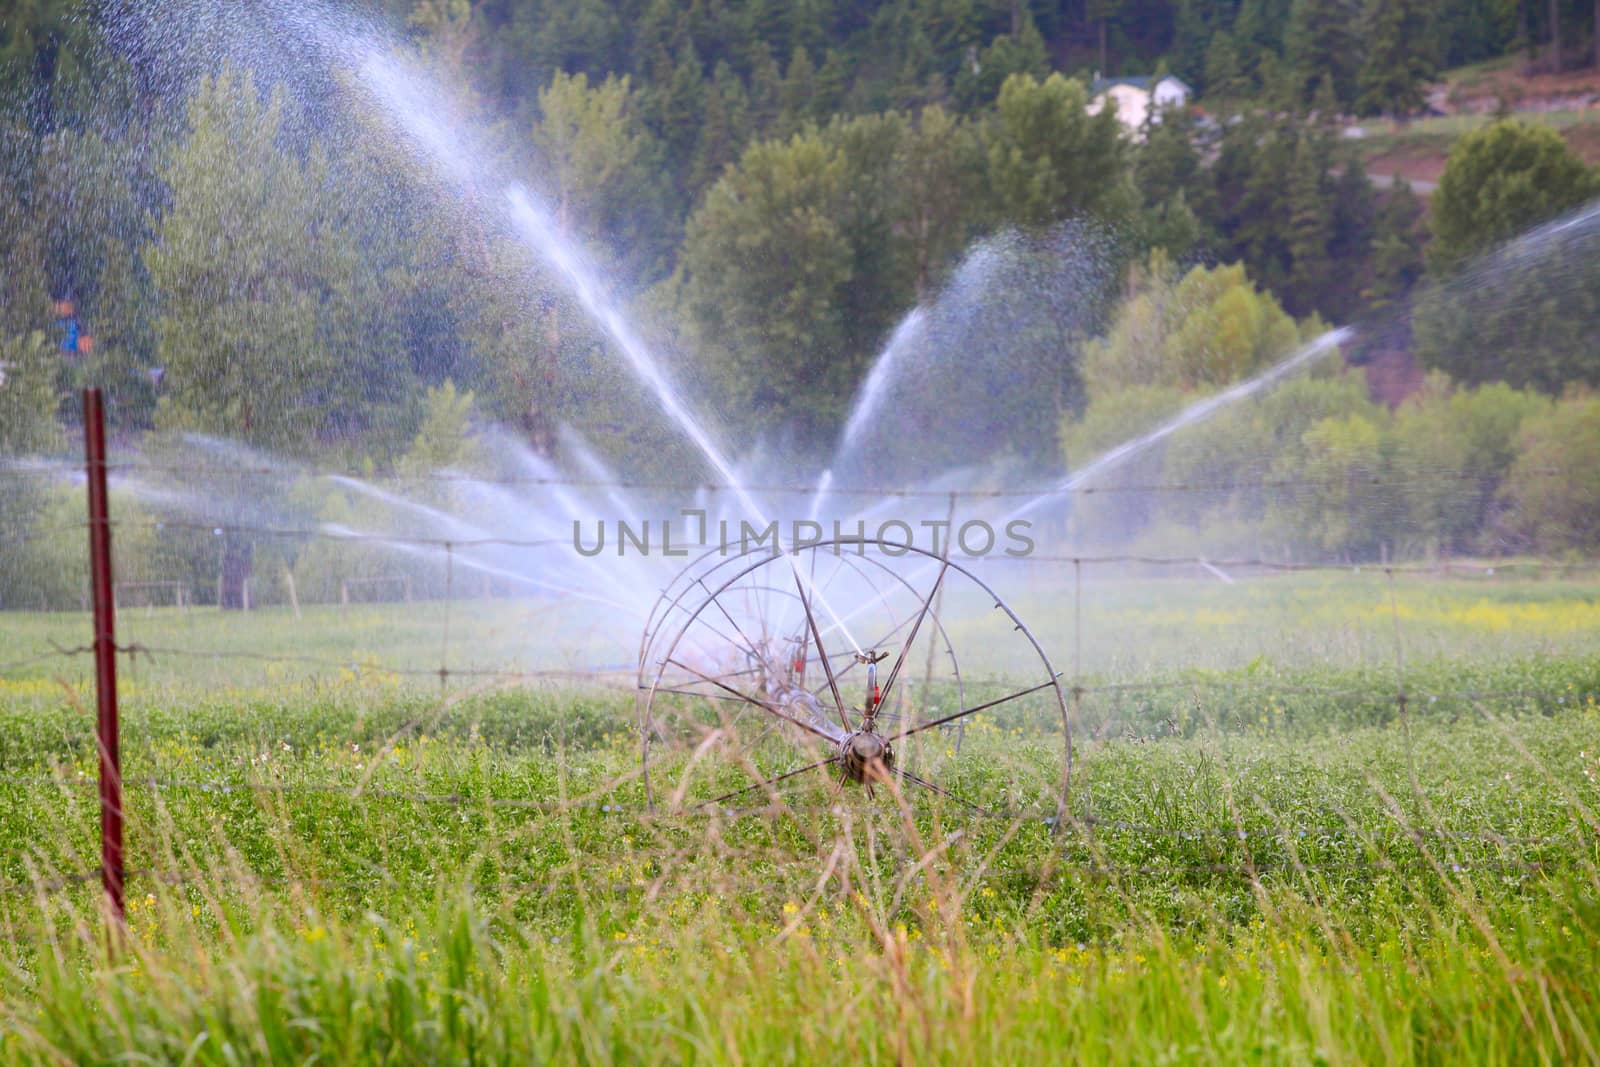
x: 1268, y: 855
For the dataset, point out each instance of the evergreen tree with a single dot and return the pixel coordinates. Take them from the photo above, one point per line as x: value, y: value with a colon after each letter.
x: 726, y: 129
x: 1320, y: 42
x: 832, y: 84
x: 1022, y: 52
x: 766, y: 92
x: 1398, y: 38
x: 1224, y: 77
x: 1310, y: 230
x: 796, y: 107
x: 1397, y: 263
x: 1192, y: 38
x: 1173, y: 186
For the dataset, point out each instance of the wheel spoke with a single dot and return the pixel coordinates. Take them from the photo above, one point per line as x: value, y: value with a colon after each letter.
x: 769, y: 782
x: 736, y: 627
x: 942, y: 791
x: 921, y: 726
x: 758, y: 703
x: 699, y: 617
x: 905, y: 649
x: 822, y: 653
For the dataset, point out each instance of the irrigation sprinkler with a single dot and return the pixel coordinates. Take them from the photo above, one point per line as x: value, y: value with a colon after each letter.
x: 746, y: 689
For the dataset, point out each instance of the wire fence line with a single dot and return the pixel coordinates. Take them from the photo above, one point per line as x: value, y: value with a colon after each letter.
x: 621, y: 677
x: 1446, y: 566
x: 1430, y: 478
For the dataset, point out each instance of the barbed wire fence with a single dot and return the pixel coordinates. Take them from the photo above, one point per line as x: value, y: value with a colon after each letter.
x: 104, y: 596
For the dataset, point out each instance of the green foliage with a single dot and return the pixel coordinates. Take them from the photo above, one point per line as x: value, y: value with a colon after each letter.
x: 1339, y: 460
x: 589, y: 147
x: 29, y: 396
x: 1010, y: 54
x: 1247, y: 496
x: 1115, y: 417
x: 1051, y: 160
x: 1449, y: 457
x: 257, y: 321
x: 444, y: 441
x: 1397, y: 256
x: 1398, y: 38
x: 1293, y: 204
x: 1554, y: 484
x: 938, y: 175
x: 1198, y: 332
x: 1478, y: 324
x: 1320, y: 44
x: 1500, y: 181
x: 766, y: 263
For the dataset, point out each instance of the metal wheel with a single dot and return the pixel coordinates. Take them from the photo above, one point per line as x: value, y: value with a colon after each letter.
x: 836, y: 664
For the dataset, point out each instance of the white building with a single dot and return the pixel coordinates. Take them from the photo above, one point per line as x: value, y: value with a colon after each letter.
x: 1138, y: 101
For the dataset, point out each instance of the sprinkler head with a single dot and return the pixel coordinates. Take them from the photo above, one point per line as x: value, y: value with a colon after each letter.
x: 867, y: 757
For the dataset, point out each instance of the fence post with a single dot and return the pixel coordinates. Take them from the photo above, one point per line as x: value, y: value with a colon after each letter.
x: 105, y: 655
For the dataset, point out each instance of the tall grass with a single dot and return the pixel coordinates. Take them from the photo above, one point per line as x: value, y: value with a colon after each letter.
x: 1266, y: 860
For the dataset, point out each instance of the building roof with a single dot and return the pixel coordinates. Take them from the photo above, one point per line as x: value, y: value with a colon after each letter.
x: 1145, y: 82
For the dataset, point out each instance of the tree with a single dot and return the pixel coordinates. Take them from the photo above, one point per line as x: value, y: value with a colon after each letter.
x: 1398, y: 40
x: 796, y: 103
x: 1397, y: 263
x: 1479, y: 324
x: 28, y: 396
x: 871, y: 206
x: 1310, y: 223
x: 1334, y: 504
x: 1237, y: 453
x: 1554, y: 485
x: 589, y: 142
x: 1524, y: 314
x: 1021, y: 52
x: 938, y: 169
x: 1500, y: 181
x: 44, y: 43
x: 444, y: 440
x: 237, y: 268
x: 1450, y: 452
x: 24, y: 298
x: 1224, y: 76
x: 726, y: 130
x: 446, y: 30
x: 1199, y: 332
x: 1320, y: 42
x: 766, y: 262
x: 1050, y: 160
x: 1173, y: 185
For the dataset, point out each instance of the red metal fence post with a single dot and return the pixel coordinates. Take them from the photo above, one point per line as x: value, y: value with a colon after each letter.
x: 105, y: 654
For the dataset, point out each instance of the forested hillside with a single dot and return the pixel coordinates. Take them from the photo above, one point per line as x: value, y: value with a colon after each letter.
x: 772, y: 185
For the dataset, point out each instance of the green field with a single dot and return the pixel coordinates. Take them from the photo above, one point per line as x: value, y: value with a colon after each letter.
x: 1269, y: 856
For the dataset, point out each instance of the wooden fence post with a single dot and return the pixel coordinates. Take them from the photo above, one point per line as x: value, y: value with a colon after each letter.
x: 105, y: 656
